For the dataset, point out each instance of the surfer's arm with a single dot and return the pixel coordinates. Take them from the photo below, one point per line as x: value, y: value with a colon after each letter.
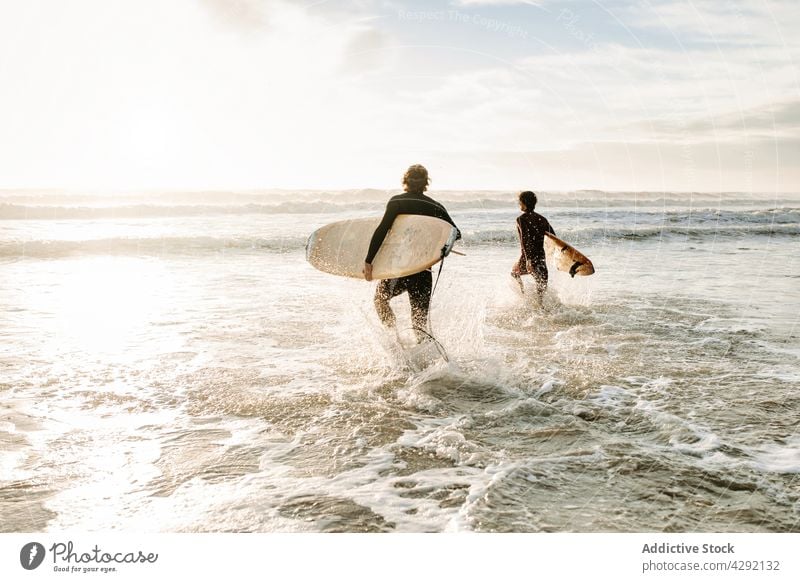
x: 458, y: 230
x: 447, y: 218
x: 380, y: 233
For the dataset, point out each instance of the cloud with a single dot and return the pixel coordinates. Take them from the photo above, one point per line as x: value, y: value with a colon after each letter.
x: 614, y: 86
x: 770, y: 121
x: 365, y: 51
x: 738, y: 22
x: 469, y: 3
x: 153, y: 93
x: 173, y: 98
x: 245, y: 15
x: 618, y: 165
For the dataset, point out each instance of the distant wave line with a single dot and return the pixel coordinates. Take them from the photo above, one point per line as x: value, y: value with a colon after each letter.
x: 10, y: 211
x: 201, y: 245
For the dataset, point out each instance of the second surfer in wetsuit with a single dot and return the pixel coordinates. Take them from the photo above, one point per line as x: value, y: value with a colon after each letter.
x: 418, y: 285
x: 531, y: 227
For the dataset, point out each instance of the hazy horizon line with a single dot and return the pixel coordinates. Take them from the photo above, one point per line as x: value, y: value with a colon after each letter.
x: 115, y: 191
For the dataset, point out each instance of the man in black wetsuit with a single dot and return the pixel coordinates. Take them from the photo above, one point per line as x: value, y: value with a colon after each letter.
x: 531, y: 227
x: 418, y: 285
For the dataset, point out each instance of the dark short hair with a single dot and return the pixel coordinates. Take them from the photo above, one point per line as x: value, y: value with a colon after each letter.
x: 528, y: 198
x: 416, y: 179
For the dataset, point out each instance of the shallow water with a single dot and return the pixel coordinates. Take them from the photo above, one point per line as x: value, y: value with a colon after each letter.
x: 173, y: 364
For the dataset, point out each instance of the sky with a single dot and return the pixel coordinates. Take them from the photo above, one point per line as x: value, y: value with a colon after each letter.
x: 653, y: 95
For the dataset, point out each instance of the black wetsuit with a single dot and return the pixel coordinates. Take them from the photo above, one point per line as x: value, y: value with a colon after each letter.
x: 531, y: 227
x: 417, y: 285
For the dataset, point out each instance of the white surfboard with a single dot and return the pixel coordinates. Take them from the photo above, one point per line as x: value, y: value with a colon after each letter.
x: 413, y: 244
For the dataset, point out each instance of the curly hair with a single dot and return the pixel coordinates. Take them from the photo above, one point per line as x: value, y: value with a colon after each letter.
x: 528, y: 198
x: 416, y: 179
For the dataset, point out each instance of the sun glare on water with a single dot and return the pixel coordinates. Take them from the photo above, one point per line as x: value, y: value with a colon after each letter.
x: 105, y: 305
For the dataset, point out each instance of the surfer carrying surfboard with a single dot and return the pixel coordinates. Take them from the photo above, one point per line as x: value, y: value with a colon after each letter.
x: 531, y: 228
x: 417, y: 285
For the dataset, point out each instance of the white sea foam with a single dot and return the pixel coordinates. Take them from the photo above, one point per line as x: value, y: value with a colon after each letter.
x: 778, y: 458
x: 613, y: 397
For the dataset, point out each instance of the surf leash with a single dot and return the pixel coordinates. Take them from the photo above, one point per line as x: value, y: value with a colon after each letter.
x: 435, y: 342
x: 446, y: 250
x: 439, y: 274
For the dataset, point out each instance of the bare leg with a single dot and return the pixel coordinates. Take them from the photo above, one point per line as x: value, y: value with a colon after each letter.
x: 518, y: 280
x: 540, y: 277
x: 517, y: 271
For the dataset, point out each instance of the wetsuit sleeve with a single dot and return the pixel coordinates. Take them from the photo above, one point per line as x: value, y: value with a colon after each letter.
x: 550, y: 229
x: 450, y: 220
x: 380, y: 233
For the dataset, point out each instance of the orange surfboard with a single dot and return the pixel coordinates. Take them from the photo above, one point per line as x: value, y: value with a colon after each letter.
x: 566, y: 257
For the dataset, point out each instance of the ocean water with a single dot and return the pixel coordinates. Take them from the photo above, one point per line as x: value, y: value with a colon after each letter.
x: 170, y: 362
